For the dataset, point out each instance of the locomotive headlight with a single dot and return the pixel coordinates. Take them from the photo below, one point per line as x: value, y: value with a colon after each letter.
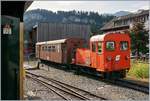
x: 117, y: 58
x: 109, y: 58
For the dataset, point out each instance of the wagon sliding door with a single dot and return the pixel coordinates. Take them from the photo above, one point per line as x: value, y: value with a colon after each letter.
x: 64, y: 53
x: 38, y: 51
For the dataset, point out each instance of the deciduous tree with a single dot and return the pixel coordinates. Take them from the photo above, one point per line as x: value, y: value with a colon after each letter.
x: 139, y: 38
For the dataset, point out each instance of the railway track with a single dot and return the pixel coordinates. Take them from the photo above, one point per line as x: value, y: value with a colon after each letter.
x: 127, y: 84
x: 132, y: 85
x: 123, y: 83
x: 65, y: 91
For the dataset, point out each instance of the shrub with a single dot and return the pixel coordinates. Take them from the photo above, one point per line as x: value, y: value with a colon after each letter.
x: 139, y: 70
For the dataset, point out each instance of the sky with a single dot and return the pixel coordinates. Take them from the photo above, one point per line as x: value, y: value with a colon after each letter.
x: 96, y: 6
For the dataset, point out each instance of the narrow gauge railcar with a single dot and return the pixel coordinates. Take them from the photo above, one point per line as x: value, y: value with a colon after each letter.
x: 109, y: 54
x: 58, y: 51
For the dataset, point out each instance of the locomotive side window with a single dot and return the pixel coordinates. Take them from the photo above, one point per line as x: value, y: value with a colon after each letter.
x: 99, y: 47
x: 110, y: 45
x: 123, y: 45
x: 94, y: 47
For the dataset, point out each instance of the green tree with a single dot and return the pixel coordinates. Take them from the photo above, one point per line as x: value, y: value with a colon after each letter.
x: 139, y: 38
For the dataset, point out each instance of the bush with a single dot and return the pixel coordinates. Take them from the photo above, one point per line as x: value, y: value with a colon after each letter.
x: 139, y: 70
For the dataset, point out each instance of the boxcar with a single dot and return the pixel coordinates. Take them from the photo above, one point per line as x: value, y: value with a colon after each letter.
x: 58, y: 51
x: 108, y: 53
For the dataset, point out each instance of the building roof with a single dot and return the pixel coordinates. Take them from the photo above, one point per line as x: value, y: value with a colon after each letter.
x: 110, y: 25
x: 15, y: 8
x: 132, y: 15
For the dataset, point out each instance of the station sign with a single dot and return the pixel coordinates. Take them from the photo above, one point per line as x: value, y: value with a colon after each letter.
x: 7, y: 29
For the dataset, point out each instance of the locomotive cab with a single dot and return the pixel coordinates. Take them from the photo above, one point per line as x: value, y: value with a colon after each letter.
x: 110, y: 52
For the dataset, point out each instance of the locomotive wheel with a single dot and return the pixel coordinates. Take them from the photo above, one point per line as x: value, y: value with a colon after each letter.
x: 107, y: 75
x: 123, y: 74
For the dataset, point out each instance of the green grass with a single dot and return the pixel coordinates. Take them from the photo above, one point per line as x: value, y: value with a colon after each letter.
x: 139, y: 70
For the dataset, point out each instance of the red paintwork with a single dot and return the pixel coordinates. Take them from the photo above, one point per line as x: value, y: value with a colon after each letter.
x: 86, y: 57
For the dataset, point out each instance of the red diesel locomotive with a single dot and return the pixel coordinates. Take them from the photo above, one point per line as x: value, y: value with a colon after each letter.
x: 109, y: 54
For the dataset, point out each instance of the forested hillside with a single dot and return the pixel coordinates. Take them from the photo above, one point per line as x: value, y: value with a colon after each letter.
x: 94, y: 19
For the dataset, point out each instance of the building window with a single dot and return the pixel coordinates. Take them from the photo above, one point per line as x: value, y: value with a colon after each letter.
x: 125, y: 22
x: 147, y: 17
x: 143, y: 19
x: 128, y: 21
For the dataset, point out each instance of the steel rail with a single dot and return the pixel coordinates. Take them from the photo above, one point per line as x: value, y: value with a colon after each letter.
x: 127, y: 84
x: 64, y: 85
x: 48, y: 87
x: 73, y: 94
x: 133, y: 85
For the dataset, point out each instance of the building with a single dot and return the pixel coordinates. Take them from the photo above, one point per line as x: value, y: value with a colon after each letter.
x: 45, y: 31
x: 127, y: 21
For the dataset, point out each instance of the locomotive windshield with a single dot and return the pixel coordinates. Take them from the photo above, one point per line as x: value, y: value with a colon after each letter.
x: 123, y: 45
x: 94, y: 47
x: 110, y: 45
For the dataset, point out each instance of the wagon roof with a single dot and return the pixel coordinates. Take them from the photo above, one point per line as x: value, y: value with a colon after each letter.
x: 52, y: 42
x: 40, y: 43
x: 57, y: 41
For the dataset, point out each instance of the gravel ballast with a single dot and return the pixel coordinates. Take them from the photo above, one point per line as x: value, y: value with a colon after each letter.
x: 98, y: 87
x: 36, y: 91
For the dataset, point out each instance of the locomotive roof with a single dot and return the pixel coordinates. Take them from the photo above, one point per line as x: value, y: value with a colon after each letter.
x: 52, y: 42
x: 101, y: 37
x: 98, y: 37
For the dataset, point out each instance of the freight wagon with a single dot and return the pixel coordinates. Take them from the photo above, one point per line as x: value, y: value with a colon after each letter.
x: 59, y: 51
